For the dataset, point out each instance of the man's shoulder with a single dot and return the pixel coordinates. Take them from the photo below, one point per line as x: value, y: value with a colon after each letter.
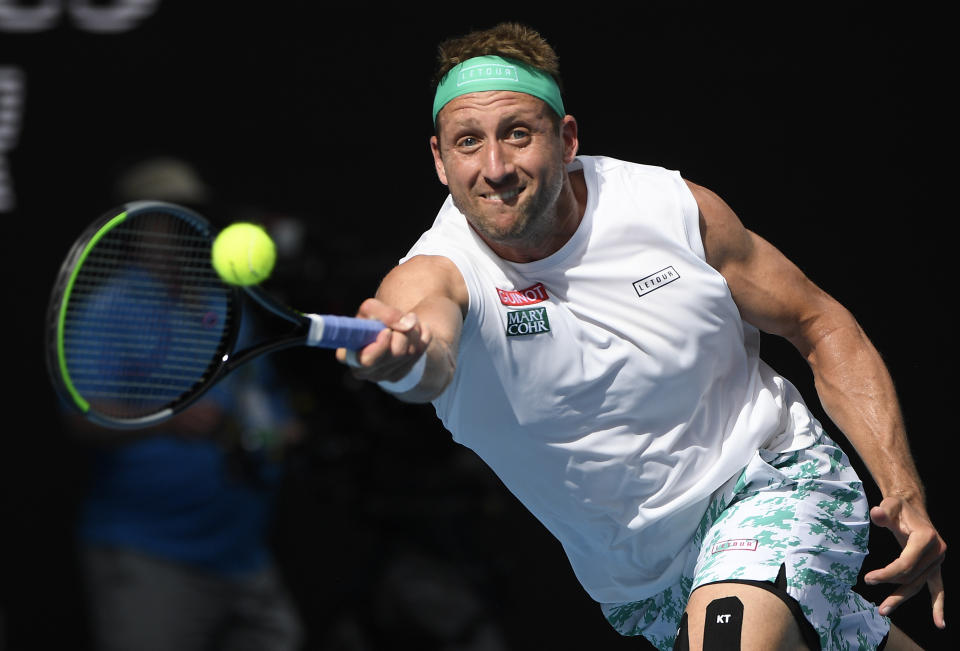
x: 607, y: 165
x: 631, y: 176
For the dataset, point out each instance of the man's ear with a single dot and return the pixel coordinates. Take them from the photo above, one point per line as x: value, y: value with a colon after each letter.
x: 438, y: 160
x: 571, y: 141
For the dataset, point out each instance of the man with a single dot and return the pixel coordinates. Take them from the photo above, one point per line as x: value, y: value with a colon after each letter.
x: 589, y: 327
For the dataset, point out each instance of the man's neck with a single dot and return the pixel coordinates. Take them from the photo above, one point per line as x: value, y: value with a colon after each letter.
x: 571, y: 206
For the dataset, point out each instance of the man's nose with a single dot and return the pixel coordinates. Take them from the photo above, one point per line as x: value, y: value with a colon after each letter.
x: 497, y: 162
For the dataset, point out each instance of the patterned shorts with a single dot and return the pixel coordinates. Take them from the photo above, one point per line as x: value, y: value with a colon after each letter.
x: 805, y: 510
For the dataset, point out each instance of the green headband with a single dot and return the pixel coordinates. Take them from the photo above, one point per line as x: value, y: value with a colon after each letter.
x: 496, y: 73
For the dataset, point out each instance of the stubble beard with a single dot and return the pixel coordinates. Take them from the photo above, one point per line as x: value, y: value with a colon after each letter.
x: 534, y: 220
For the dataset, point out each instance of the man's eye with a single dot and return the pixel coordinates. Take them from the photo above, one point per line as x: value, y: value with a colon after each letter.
x: 469, y: 141
x: 518, y: 134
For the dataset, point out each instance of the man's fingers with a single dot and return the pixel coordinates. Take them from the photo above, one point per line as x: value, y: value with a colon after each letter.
x: 406, y: 341
x: 938, y: 597
x: 391, y: 317
x: 934, y: 580
x: 348, y: 357
x: 373, y: 308
x: 901, y: 594
x: 406, y: 323
x: 881, y: 515
x: 391, y: 355
x: 396, y: 348
x: 915, y: 559
x: 923, y: 549
x: 917, y: 563
x: 889, y: 514
x: 358, y: 359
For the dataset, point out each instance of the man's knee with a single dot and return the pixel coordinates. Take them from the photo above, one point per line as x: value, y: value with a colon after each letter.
x: 722, y: 626
x: 731, y: 615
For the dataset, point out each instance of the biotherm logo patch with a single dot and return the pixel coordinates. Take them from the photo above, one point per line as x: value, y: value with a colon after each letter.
x: 531, y: 321
x: 655, y: 281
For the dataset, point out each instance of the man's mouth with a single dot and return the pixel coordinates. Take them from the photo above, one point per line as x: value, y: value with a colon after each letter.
x: 506, y: 195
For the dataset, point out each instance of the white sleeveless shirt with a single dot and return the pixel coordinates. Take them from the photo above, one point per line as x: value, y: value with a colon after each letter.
x: 612, y: 386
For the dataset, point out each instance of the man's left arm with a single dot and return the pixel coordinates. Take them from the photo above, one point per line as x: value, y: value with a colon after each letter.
x: 852, y: 381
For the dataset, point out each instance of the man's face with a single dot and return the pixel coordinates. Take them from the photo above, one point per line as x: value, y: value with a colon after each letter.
x: 504, y: 160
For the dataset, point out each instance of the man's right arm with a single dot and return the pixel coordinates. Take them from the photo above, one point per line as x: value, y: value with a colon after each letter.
x: 422, y: 302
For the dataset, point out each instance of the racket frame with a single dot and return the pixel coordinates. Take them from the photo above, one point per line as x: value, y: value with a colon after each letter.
x: 57, y: 310
x: 307, y: 329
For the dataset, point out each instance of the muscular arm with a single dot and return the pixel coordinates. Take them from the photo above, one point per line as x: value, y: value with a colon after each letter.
x: 851, y: 379
x: 422, y: 302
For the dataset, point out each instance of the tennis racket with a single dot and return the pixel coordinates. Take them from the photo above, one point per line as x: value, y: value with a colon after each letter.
x: 140, y: 325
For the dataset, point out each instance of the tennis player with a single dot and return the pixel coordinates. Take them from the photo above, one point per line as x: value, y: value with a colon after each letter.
x: 589, y: 327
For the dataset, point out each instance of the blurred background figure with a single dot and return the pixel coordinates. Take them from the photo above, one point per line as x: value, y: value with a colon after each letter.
x: 175, y: 524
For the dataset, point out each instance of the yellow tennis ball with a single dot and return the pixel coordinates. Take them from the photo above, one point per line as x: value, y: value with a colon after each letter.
x: 243, y: 254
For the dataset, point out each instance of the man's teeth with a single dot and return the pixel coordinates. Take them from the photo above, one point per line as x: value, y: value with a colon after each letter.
x: 504, y: 196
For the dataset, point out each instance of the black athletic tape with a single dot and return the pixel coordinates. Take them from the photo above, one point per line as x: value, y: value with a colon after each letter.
x: 721, y: 629
x: 682, y: 643
x: 779, y: 589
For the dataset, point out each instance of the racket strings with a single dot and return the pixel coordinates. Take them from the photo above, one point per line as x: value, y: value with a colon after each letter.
x: 146, y: 316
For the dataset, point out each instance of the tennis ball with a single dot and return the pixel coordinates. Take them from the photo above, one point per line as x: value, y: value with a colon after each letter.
x: 243, y: 254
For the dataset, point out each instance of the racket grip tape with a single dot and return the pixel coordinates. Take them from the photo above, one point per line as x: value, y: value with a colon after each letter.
x: 331, y: 331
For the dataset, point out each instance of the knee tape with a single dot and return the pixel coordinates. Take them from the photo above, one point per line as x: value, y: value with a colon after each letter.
x: 682, y: 643
x: 722, y: 626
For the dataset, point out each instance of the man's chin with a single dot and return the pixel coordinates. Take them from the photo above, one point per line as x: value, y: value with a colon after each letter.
x: 506, y: 235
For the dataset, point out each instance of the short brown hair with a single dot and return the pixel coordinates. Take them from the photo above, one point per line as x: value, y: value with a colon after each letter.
x: 510, y: 40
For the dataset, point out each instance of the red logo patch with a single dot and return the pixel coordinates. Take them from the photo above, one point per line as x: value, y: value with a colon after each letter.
x: 528, y: 296
x: 736, y: 544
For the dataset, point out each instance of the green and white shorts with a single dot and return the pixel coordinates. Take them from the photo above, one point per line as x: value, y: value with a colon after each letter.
x: 803, y: 510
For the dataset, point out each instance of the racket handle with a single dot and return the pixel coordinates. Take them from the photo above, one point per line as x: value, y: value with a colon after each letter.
x: 331, y: 331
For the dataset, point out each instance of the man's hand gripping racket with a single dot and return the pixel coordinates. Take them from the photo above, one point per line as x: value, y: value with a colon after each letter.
x: 140, y: 325
x: 395, y: 362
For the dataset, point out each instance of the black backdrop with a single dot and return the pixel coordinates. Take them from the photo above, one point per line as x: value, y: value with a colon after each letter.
x: 821, y: 126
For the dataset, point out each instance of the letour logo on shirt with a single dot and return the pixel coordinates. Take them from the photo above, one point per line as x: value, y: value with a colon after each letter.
x: 655, y: 281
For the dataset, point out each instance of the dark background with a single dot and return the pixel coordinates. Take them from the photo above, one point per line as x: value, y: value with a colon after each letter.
x: 823, y: 126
